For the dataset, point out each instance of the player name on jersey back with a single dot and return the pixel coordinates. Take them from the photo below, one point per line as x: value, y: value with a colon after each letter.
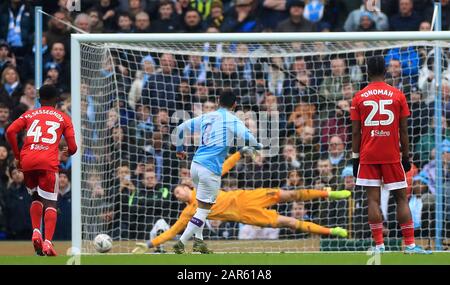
x: 44, y: 112
x: 378, y: 92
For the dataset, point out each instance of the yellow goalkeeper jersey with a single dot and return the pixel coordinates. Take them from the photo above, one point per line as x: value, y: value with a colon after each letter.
x: 243, y: 206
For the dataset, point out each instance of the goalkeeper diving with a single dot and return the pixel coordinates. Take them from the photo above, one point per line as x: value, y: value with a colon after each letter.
x: 247, y: 207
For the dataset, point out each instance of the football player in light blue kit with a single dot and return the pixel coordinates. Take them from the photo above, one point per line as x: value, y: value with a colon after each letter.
x: 218, y: 131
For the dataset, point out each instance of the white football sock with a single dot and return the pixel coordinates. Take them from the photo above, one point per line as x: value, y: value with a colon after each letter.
x: 195, y: 225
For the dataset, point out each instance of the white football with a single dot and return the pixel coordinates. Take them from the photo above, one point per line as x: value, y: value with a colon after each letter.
x: 103, y: 243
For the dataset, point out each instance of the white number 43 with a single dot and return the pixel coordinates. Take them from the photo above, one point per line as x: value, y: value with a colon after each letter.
x: 35, y: 132
x: 379, y: 107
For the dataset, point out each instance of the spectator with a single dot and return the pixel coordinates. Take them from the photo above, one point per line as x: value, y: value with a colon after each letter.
x: 427, y: 142
x: 10, y: 87
x: 275, y: 76
x: 242, y: 19
x: 418, y: 121
x: 299, y: 212
x: 16, y: 26
x: 337, y: 154
x: 196, y: 70
x: 282, y: 165
x: 425, y: 26
x: 359, y: 206
x: 427, y: 80
x: 64, y: 207
x: 124, y: 211
x: 407, y: 19
x: 7, y: 58
x: 303, y: 116
x: 353, y: 20
x: 125, y: 23
x: 228, y: 77
x: 192, y: 22
x: 185, y: 100
x: 52, y: 76
x: 152, y: 202
x: 165, y: 161
x: 167, y: 83
x: 29, y: 95
x: 4, y: 164
x: 331, y: 88
x: 395, y: 78
x: 107, y: 10
x: 65, y: 161
x: 325, y: 175
x: 296, y: 22
x: 424, y: 184
x: 308, y: 150
x: 181, y: 6
x: 134, y: 7
x: 83, y: 22
x: 273, y: 111
x: 338, y: 124
x: 244, y: 64
x: 348, y: 91
x: 96, y: 23
x: 215, y: 19
x: 203, y: 7
x: 4, y: 121
x: 144, y: 122
x: 409, y: 59
x: 142, y: 23
x: 366, y: 23
x: 162, y: 121
x: 300, y: 87
x: 167, y: 22
x: 357, y: 68
x: 201, y: 94
x: 58, y: 58
x: 58, y: 32
x: 17, y: 205
x: 330, y: 213
x: 254, y: 174
x: 272, y: 12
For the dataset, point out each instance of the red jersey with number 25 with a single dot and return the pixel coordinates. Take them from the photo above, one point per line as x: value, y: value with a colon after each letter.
x: 44, y: 128
x: 379, y: 107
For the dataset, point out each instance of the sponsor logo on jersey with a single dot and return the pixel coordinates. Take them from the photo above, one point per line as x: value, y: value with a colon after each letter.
x: 38, y: 147
x: 380, y: 133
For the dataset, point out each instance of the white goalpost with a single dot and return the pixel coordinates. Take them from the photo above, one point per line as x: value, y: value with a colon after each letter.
x: 129, y: 91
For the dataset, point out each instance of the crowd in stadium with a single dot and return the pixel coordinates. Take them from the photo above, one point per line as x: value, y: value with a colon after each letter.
x: 313, y: 100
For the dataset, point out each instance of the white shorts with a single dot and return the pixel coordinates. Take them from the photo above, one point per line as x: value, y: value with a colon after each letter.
x: 206, y: 183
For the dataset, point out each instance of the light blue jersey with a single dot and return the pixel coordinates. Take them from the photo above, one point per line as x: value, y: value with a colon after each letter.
x: 218, y: 131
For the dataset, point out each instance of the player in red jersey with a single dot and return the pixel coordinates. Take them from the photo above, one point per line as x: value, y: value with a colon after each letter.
x: 379, y: 115
x: 38, y: 159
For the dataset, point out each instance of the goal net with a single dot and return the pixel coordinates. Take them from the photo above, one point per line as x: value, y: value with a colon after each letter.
x: 294, y: 96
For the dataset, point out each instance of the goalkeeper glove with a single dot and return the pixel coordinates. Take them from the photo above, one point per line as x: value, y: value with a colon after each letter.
x: 355, y: 164
x: 406, y: 164
x: 247, y: 150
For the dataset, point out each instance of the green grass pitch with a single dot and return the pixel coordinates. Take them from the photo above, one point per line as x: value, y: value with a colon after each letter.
x: 397, y: 258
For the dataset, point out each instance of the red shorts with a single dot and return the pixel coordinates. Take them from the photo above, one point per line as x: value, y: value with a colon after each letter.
x: 45, y: 182
x: 388, y: 176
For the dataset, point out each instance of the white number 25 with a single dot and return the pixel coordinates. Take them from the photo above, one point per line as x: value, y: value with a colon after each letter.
x: 381, y: 110
x: 35, y: 132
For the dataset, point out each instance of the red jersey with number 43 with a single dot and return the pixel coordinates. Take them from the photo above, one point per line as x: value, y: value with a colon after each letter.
x: 379, y: 107
x: 44, y: 128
